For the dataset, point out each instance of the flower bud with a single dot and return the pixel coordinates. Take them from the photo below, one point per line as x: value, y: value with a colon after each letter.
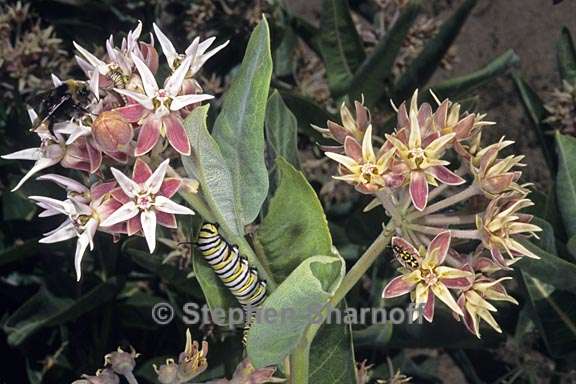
x: 167, y: 372
x: 111, y: 132
x: 150, y: 55
x: 121, y: 362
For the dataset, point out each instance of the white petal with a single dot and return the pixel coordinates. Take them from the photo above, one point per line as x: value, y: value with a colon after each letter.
x: 95, y: 84
x: 164, y: 204
x: 96, y: 62
x: 143, y: 100
x: 38, y: 166
x: 192, y: 49
x: 32, y: 115
x: 66, y: 223
x: 55, y: 80
x: 129, y: 186
x: 84, y: 240
x: 174, y: 82
x: 155, y: 180
x: 180, y: 102
x: 24, y: 154
x: 124, y: 213
x: 64, y: 233
x: 48, y: 202
x: 148, y: 221
x: 84, y: 65
x: 64, y: 182
x: 199, y: 62
x: 167, y: 47
x: 148, y: 80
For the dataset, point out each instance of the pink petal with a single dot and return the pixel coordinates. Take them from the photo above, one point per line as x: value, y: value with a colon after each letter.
x: 119, y: 195
x: 132, y: 113
x: 100, y: 189
x: 418, y: 189
x: 133, y: 226
x: 170, y: 186
x: 141, y: 171
x: 120, y: 157
x: 148, y: 136
x: 397, y: 287
x: 95, y: 157
x: 353, y: 149
x: 176, y: 134
x: 446, y: 176
x: 441, y: 115
x: 499, y: 258
x: 464, y: 126
x: 428, y: 312
x: 403, y: 119
x: 438, y: 247
x: 108, y: 207
x: 458, y: 283
x: 167, y: 220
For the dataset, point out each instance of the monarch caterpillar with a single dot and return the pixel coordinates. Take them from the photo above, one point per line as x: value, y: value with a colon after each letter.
x: 233, y: 269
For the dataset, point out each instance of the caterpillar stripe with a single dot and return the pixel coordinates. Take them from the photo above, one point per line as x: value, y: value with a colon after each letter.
x: 232, y: 268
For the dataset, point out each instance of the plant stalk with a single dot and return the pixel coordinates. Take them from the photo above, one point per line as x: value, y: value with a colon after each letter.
x: 300, y: 362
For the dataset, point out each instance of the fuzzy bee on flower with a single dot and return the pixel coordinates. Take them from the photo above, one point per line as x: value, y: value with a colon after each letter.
x: 120, y: 119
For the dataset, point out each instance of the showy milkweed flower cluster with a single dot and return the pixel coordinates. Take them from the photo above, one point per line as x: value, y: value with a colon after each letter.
x: 123, y: 139
x: 455, y: 204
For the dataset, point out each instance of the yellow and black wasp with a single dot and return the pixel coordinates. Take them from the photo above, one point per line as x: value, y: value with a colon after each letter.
x: 64, y: 101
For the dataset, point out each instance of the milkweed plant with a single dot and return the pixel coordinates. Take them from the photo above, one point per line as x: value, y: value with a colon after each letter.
x: 144, y: 156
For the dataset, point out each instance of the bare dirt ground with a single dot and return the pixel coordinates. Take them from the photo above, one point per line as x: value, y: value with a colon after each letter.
x: 531, y: 28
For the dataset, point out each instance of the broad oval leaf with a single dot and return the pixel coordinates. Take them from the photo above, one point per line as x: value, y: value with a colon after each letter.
x: 239, y: 128
x: 282, y: 130
x: 566, y: 181
x: 298, y: 298
x: 295, y: 227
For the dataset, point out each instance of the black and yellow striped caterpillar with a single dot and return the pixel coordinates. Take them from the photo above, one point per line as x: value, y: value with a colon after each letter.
x: 232, y: 268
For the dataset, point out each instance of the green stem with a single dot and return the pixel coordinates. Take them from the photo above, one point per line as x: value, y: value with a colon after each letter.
x: 364, y: 263
x: 300, y: 362
x: 299, y: 359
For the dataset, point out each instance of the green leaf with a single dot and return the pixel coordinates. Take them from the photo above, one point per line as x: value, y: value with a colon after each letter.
x: 294, y: 227
x: 549, y: 268
x: 537, y: 113
x: 376, y: 335
x: 566, y: 54
x: 216, y: 294
x: 566, y: 181
x: 308, y: 287
x: 332, y: 355
x: 46, y: 310
x: 285, y: 53
x: 18, y: 252
x: 16, y: 206
x: 282, y: 130
x: 239, y: 128
x: 206, y: 164
x: 423, y: 66
x: 340, y: 45
x: 169, y: 274
x: 458, y: 86
x: 370, y: 78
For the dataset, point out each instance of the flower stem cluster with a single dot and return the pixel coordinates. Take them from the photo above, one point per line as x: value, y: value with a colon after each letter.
x: 455, y: 205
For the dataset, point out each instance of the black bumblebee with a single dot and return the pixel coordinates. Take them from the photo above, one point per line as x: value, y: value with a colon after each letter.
x: 64, y: 101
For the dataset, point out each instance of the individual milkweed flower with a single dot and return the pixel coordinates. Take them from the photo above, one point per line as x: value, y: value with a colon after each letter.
x: 493, y: 175
x: 421, y: 151
x: 122, y: 363
x: 145, y: 200
x: 475, y: 304
x: 351, y: 126
x: 192, y: 361
x: 197, y: 51
x: 502, y: 224
x: 158, y: 109
x: 52, y: 150
x: 364, y: 169
x: 85, y: 208
x: 425, y: 277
